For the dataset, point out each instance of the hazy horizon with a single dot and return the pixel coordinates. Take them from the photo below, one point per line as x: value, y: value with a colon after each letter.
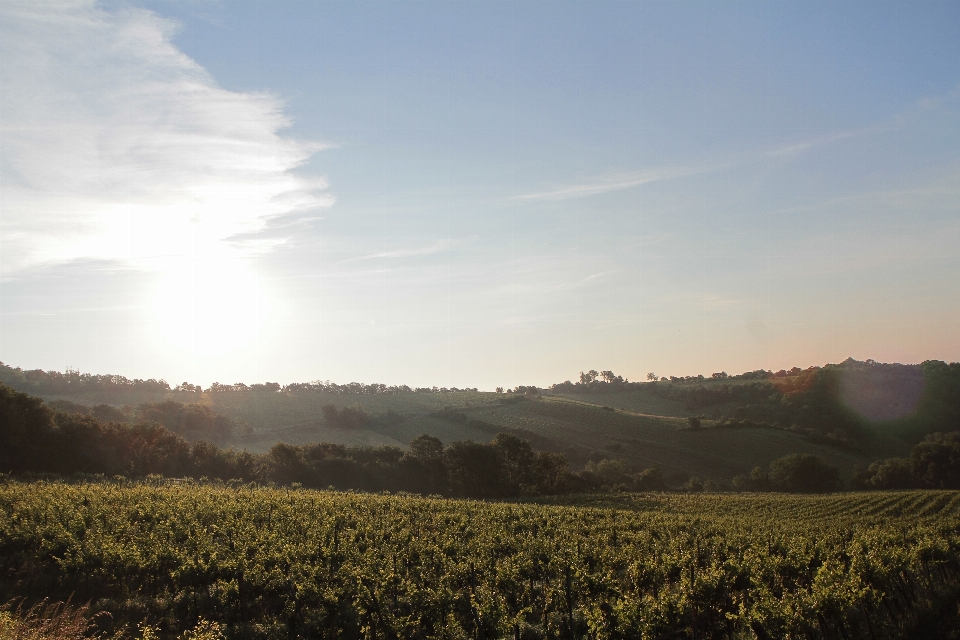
x: 476, y: 194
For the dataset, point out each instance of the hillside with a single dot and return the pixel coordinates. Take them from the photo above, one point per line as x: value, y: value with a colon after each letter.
x: 850, y: 414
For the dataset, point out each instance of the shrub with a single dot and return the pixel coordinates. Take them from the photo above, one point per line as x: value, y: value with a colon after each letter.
x: 803, y: 473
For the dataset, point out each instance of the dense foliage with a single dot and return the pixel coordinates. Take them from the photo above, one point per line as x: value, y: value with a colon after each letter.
x: 301, y: 564
x: 40, y: 440
x: 934, y: 463
x: 193, y: 421
x: 795, y: 473
x: 72, y: 383
x: 836, y: 403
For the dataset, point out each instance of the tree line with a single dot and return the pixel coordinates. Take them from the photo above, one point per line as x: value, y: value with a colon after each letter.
x: 40, y: 439
x: 73, y: 382
x: 193, y: 421
x: 176, y: 440
x: 932, y: 464
x: 836, y: 403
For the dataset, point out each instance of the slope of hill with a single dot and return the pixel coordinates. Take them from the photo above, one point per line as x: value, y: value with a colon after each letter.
x: 582, y: 430
x: 850, y: 414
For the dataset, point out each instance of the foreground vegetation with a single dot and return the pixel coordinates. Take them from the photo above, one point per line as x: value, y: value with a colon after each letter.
x: 275, y: 563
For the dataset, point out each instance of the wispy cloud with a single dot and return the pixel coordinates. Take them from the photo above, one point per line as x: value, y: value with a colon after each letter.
x: 621, y: 181
x: 583, y: 281
x: 616, y: 182
x: 800, y: 147
x: 117, y: 145
x: 438, y: 247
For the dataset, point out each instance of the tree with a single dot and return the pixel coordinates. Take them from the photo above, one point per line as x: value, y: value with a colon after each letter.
x: 192, y: 421
x: 517, y: 460
x: 330, y: 413
x: 475, y: 470
x: 347, y: 418
x: 803, y: 473
x: 610, y: 472
x: 758, y: 480
x: 936, y: 460
x: 549, y: 472
x: 649, y: 480
x: 933, y: 463
x: 652, y: 376
x: 892, y: 473
x: 424, y: 469
x: 25, y: 426
x: 426, y: 447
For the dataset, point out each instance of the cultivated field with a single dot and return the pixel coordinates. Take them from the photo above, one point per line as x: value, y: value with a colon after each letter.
x: 271, y: 563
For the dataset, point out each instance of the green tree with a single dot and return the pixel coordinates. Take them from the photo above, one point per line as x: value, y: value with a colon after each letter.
x: 517, y: 461
x: 892, y: 473
x: 803, y: 473
x: 426, y: 447
x: 550, y: 472
x: 475, y: 470
x: 650, y: 480
x: 936, y: 460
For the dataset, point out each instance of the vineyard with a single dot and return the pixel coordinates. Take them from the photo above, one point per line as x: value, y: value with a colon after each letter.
x: 279, y: 563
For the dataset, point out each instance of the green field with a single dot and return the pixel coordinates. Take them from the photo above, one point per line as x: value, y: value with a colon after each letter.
x: 279, y: 563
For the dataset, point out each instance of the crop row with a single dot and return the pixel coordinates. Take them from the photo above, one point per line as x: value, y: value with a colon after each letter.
x: 273, y: 563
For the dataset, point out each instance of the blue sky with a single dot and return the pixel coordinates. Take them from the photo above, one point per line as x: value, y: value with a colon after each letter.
x: 476, y: 193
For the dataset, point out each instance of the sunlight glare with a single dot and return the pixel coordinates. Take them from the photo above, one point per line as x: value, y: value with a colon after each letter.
x: 210, y: 305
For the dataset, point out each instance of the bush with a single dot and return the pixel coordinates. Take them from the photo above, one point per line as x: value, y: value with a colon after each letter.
x: 933, y: 464
x: 803, y: 473
x: 796, y: 473
x: 936, y: 460
x: 649, y: 480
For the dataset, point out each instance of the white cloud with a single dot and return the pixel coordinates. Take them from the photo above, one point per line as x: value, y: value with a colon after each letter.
x: 117, y: 145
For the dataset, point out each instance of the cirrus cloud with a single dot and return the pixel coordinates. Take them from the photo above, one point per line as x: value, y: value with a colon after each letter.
x: 116, y: 145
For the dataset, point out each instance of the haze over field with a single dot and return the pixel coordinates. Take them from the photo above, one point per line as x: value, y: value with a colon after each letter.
x: 476, y: 194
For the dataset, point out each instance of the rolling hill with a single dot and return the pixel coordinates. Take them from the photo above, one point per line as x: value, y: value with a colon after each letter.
x: 744, y: 421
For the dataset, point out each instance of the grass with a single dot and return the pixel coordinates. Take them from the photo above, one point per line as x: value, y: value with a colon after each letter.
x: 45, y: 621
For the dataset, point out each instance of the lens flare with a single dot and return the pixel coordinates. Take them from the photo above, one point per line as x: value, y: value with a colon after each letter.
x: 882, y: 392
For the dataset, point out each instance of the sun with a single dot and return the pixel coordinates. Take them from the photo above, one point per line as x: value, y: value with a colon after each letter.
x: 209, y: 305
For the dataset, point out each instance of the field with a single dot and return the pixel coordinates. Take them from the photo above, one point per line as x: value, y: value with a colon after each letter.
x: 278, y: 563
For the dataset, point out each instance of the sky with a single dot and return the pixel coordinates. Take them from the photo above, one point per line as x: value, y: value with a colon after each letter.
x: 476, y: 194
